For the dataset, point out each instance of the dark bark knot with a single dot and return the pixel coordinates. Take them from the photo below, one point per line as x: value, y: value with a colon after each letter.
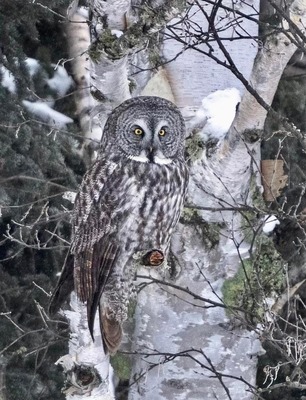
x: 153, y: 258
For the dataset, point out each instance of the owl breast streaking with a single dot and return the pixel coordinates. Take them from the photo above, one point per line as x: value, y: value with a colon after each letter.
x: 129, y: 202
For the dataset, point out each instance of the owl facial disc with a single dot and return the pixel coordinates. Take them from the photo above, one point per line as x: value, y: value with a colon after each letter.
x: 149, y: 136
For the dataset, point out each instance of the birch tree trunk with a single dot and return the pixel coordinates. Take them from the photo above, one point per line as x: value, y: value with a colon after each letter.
x: 183, y: 344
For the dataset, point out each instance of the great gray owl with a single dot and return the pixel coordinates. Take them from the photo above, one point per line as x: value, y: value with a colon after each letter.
x: 129, y: 202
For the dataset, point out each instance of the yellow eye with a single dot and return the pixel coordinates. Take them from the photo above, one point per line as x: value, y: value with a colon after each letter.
x: 138, y: 131
x: 162, y: 132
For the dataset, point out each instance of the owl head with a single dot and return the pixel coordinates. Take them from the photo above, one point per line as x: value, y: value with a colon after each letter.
x: 145, y: 129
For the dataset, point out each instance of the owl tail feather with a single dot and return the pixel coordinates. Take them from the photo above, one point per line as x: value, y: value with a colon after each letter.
x: 100, y: 268
x: 111, y: 331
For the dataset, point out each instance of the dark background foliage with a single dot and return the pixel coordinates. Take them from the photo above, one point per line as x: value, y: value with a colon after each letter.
x: 37, y: 165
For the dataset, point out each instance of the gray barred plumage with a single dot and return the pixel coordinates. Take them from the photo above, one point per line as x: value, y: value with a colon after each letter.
x: 129, y: 203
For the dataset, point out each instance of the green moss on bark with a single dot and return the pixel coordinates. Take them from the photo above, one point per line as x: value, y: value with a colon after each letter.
x: 257, y: 278
x: 122, y: 366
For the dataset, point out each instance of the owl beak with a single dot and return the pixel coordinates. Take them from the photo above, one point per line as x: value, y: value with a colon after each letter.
x: 151, y: 154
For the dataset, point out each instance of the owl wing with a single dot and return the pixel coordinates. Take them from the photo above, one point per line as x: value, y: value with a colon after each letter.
x: 93, y: 250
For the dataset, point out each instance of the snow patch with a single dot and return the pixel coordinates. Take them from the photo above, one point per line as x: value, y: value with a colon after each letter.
x: 61, y: 82
x: 116, y: 32
x: 44, y: 112
x: 33, y: 66
x: 7, y: 79
x: 269, y: 224
x: 216, y: 114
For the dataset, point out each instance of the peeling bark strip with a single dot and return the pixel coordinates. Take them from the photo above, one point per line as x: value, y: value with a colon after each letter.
x: 273, y: 178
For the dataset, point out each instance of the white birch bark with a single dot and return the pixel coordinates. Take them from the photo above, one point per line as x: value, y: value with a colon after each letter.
x: 86, y: 367
x: 165, y: 324
x: 78, y: 39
